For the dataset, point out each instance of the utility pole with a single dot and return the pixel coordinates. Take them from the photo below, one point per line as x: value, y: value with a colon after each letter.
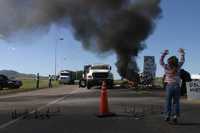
x: 55, y: 58
x: 37, y: 80
x: 76, y: 75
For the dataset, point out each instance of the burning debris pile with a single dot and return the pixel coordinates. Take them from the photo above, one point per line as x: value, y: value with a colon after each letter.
x: 103, y: 26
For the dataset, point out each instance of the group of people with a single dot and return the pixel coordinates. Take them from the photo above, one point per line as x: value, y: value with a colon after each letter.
x: 50, y: 81
x: 173, y: 78
x: 38, y: 81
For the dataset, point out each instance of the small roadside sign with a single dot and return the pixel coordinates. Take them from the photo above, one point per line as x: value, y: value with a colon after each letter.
x: 193, y: 90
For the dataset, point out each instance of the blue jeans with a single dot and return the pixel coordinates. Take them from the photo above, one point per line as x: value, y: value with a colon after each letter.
x: 173, y: 99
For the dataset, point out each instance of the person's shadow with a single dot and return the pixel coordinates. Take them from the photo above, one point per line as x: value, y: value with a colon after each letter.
x: 189, y: 124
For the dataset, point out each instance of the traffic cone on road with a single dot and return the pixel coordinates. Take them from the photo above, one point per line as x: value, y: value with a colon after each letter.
x: 103, y: 107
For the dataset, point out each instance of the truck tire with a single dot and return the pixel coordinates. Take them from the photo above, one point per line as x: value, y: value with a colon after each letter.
x: 88, y: 86
x: 1, y: 87
x: 82, y: 83
x: 71, y: 82
x: 110, y: 86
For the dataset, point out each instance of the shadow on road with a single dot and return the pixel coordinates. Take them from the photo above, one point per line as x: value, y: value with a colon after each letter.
x: 188, y: 124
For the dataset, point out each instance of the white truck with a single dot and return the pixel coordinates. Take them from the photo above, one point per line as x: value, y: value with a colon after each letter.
x: 66, y: 77
x: 195, y: 77
x: 93, y: 75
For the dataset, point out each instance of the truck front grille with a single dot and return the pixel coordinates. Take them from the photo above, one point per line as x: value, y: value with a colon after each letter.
x: 100, y: 75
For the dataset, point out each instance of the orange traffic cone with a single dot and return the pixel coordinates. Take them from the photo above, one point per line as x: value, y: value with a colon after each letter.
x: 104, y: 109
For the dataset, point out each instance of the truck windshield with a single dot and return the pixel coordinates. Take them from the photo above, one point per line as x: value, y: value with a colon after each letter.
x: 100, y: 67
x: 64, y: 74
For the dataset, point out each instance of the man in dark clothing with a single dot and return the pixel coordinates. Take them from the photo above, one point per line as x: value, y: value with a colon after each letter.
x: 50, y: 81
x: 37, y: 80
x: 185, y: 77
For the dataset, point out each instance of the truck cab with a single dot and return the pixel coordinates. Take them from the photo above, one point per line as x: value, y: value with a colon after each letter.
x: 93, y: 75
x: 66, y: 77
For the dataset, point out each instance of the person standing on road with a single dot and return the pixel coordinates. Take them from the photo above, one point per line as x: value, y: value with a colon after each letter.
x: 185, y: 77
x: 37, y: 80
x: 172, y: 80
x: 50, y: 81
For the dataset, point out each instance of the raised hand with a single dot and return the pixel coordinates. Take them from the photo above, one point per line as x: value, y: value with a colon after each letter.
x: 166, y: 51
x: 181, y: 50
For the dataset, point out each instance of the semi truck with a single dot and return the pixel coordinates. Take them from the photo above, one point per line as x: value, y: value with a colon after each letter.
x: 66, y: 77
x: 94, y: 74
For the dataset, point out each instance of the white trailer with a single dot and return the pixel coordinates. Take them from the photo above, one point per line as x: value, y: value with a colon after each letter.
x: 66, y: 77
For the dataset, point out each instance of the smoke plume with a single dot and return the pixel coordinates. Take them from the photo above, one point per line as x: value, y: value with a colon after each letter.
x: 103, y: 26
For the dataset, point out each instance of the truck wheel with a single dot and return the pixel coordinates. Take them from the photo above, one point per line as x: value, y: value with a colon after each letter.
x: 110, y: 86
x: 1, y: 88
x: 88, y: 87
x: 72, y: 82
x: 82, y: 83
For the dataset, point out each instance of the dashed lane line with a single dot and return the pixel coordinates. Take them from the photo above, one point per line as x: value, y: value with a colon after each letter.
x: 38, y: 109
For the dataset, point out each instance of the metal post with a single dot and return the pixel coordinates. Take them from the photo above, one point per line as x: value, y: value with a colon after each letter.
x: 37, y: 80
x: 76, y: 75
x: 55, y: 57
x: 56, y: 54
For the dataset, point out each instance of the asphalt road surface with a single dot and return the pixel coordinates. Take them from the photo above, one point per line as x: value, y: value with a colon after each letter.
x: 69, y: 109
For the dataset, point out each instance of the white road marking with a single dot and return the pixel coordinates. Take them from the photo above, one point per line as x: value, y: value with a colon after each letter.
x: 38, y: 109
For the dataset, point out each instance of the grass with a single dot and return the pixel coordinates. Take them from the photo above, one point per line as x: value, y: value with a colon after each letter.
x: 28, y: 85
x: 158, y: 81
x: 31, y: 83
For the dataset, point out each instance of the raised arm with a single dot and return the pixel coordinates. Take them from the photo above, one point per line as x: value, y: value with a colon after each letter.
x: 182, y: 57
x: 162, y: 63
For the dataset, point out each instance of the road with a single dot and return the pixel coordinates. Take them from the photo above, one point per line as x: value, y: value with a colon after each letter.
x: 69, y: 109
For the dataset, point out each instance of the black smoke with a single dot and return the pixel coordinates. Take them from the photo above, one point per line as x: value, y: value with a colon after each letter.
x: 103, y: 26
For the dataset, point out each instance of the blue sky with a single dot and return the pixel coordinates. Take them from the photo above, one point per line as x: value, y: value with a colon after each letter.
x: 179, y: 27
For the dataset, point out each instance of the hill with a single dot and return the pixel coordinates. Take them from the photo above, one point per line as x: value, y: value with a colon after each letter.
x: 16, y: 75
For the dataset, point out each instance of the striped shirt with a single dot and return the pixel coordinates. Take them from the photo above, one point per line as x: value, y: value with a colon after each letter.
x: 170, y: 76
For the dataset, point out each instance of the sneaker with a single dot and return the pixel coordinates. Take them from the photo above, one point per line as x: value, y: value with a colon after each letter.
x: 175, y: 119
x: 167, y: 118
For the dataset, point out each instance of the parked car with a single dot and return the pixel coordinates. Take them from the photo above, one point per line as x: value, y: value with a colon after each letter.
x: 5, y: 82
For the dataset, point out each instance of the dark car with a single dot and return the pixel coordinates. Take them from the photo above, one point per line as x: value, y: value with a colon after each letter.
x: 8, y: 83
